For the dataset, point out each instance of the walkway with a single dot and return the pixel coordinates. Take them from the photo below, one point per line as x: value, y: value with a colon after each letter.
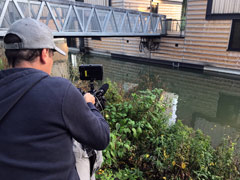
x: 76, y: 19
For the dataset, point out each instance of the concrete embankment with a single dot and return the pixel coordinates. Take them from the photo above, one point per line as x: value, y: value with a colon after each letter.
x: 60, y: 65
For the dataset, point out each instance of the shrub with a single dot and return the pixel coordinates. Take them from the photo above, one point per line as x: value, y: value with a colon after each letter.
x: 143, y: 146
x: 1, y: 64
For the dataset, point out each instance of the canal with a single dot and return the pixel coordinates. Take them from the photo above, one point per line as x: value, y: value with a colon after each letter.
x: 206, y: 101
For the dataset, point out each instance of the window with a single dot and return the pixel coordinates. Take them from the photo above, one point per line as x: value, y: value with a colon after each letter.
x: 234, y: 43
x: 223, y: 9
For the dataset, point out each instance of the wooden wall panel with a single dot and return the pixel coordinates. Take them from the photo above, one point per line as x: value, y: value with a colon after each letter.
x: 138, y: 5
x: 117, y: 4
x: 170, y: 9
x: 98, y: 2
x: 206, y: 41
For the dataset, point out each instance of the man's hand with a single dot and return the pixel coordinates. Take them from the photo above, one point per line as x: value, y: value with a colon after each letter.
x: 89, y: 98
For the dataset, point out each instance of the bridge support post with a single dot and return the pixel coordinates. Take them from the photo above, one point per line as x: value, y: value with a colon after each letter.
x: 81, y: 45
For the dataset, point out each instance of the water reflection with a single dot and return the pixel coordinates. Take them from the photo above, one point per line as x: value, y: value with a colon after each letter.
x: 227, y: 121
x: 207, y: 102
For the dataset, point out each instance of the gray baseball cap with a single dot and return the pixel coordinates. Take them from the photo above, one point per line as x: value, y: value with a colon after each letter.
x: 34, y: 35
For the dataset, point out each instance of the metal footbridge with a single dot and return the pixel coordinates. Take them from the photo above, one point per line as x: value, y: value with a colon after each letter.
x: 76, y: 19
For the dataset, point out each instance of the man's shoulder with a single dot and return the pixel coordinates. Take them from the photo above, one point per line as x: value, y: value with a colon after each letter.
x: 56, y: 87
x: 58, y: 82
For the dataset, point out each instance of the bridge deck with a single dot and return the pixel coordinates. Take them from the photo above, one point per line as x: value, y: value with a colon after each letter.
x: 76, y: 19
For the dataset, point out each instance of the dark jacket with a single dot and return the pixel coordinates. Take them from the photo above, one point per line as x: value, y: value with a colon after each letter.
x: 36, y: 133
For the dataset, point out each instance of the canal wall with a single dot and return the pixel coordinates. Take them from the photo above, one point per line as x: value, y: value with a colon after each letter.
x: 1, y: 49
x: 201, y: 97
x: 200, y: 94
x: 205, y: 42
x: 60, y: 64
x: 2, y: 54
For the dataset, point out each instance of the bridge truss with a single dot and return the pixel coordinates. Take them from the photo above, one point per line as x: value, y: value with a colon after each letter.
x: 76, y: 19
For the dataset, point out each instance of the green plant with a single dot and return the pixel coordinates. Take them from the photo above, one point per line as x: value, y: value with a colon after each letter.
x: 121, y: 174
x: 1, y: 64
x: 141, y: 140
x: 225, y: 158
x: 114, y: 93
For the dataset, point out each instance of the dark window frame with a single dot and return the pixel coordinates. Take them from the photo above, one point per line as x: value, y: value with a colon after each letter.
x: 230, y: 48
x: 210, y: 16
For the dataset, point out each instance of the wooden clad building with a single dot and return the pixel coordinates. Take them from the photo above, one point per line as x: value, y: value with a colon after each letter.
x: 211, y: 38
x: 98, y: 2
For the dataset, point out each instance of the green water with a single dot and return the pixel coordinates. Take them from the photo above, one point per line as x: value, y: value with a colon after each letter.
x: 210, y: 102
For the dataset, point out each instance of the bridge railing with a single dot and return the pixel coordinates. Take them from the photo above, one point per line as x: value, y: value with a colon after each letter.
x: 67, y: 18
x: 175, y: 27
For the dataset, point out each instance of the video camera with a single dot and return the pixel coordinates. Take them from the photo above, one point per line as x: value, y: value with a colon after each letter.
x: 92, y: 72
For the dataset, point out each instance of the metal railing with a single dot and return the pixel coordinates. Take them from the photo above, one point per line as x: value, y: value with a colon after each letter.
x: 175, y: 27
x: 76, y: 19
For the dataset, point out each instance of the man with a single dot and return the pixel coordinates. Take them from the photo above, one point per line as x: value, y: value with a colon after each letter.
x: 39, y: 114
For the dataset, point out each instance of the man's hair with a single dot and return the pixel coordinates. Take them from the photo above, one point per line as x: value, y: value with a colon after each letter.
x: 16, y: 56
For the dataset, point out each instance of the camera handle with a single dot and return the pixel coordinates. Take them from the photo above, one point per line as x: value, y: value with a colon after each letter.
x: 91, y: 85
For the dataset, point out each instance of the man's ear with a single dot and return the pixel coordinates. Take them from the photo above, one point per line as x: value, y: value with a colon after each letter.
x: 44, y: 55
